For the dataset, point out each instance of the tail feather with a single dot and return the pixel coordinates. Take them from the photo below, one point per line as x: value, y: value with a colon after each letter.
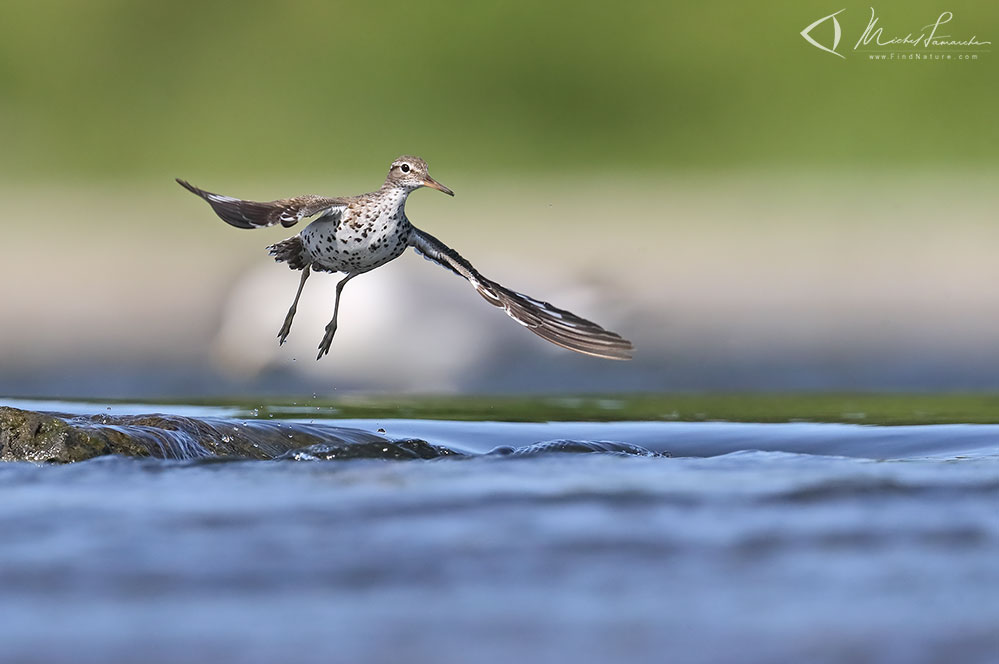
x: 290, y: 251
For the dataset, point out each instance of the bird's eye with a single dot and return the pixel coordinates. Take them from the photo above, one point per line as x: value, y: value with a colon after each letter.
x: 405, y: 168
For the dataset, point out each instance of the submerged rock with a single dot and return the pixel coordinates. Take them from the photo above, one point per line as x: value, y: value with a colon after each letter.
x: 410, y: 448
x: 576, y: 447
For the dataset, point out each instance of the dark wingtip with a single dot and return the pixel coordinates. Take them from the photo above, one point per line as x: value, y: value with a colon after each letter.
x: 187, y: 185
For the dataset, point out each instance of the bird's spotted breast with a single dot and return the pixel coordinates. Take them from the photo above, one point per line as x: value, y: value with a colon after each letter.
x: 366, y: 237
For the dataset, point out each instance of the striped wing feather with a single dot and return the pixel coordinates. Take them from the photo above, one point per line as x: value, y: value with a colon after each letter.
x: 253, y: 214
x: 558, y: 326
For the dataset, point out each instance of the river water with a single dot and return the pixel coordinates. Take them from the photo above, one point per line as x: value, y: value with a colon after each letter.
x: 748, y: 543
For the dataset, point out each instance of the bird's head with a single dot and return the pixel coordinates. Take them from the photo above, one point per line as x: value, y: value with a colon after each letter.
x: 411, y: 173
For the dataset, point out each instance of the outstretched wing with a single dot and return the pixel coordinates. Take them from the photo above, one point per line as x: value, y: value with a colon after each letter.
x: 548, y: 322
x: 251, y: 214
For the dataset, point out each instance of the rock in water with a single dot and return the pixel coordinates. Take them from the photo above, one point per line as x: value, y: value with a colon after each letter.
x: 38, y: 437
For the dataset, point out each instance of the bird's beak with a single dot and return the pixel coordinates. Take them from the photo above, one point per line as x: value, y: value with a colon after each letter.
x: 430, y: 182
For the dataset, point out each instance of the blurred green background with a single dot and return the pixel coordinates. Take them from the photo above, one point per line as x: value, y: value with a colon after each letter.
x: 118, y: 88
x: 753, y: 212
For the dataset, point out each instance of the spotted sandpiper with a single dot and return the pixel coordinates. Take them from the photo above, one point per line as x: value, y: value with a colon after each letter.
x: 356, y: 234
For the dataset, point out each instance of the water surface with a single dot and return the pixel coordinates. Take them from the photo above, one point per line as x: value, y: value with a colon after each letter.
x: 752, y: 542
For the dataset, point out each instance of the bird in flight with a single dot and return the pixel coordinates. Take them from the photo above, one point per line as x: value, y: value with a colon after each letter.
x: 356, y: 234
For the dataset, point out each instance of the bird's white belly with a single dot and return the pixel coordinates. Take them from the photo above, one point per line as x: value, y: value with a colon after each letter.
x: 347, y: 248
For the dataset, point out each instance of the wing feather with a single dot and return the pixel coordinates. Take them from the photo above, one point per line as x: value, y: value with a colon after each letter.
x: 560, y: 327
x: 254, y: 214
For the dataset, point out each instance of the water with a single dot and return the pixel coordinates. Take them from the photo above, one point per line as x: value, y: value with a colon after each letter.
x: 752, y: 542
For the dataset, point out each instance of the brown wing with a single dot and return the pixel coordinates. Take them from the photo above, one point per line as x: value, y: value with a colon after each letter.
x: 252, y: 214
x: 556, y: 325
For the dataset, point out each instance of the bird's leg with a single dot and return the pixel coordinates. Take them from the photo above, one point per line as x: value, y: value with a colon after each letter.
x: 286, y: 328
x: 324, y: 347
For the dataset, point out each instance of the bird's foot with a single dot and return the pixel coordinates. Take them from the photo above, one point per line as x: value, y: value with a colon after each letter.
x: 283, y: 334
x: 286, y: 327
x: 324, y: 347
